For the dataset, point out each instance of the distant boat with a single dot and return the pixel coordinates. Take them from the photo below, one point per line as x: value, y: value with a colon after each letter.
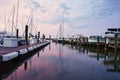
x: 59, y: 37
x: 93, y: 39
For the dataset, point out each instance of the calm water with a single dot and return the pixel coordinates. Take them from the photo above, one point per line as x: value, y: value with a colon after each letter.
x: 58, y: 62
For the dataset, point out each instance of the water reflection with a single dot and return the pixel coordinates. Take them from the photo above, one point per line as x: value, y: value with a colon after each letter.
x: 98, y: 54
x: 11, y: 68
x: 68, y: 62
x: 61, y: 59
x: 110, y: 60
x: 38, y: 55
x: 49, y: 46
x: 25, y: 67
x: 43, y: 50
x: 79, y: 48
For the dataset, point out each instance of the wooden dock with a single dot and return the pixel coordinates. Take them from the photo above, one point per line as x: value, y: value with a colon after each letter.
x: 7, y: 54
x: 85, y: 43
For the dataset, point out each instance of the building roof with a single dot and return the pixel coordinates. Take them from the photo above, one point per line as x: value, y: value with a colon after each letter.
x: 114, y: 29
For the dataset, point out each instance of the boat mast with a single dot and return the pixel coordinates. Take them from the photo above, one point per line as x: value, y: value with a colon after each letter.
x: 31, y: 22
x: 17, y: 14
x: 60, y: 31
x: 63, y: 29
x: 5, y: 23
x: 13, y: 20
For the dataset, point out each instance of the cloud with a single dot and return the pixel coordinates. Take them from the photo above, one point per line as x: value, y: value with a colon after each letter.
x: 34, y: 5
x: 79, y: 27
x: 105, y: 8
x: 65, y: 8
x: 79, y: 15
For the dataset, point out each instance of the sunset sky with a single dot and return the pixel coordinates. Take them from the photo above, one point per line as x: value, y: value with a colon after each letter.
x: 86, y: 17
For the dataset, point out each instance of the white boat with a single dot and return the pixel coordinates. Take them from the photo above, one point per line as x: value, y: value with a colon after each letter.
x: 93, y: 39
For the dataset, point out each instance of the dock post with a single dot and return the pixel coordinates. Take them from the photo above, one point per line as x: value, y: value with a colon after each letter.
x: 83, y: 41
x: 105, y: 44
x: 87, y: 42
x: 50, y: 37
x: 17, y: 33
x: 97, y: 42
x: 38, y: 41
x: 115, y: 43
x: 26, y: 35
x: 115, y: 51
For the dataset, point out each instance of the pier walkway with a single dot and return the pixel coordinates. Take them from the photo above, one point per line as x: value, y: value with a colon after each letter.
x: 7, y: 53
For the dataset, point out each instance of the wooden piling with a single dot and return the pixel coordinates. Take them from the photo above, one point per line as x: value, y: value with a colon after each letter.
x: 50, y: 37
x: 17, y: 33
x: 26, y: 35
x: 97, y: 42
x: 105, y: 44
x: 115, y: 42
x: 87, y: 42
x: 38, y: 41
x: 83, y: 41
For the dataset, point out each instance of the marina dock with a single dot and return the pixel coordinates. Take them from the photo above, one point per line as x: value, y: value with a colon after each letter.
x: 59, y: 40
x: 7, y: 54
x: 111, y: 40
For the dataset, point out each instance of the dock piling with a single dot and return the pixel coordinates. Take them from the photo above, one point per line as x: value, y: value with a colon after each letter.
x: 17, y: 33
x: 83, y: 41
x: 26, y: 35
x: 38, y: 41
x: 97, y: 42
x: 105, y: 44
x: 115, y: 42
x: 87, y: 42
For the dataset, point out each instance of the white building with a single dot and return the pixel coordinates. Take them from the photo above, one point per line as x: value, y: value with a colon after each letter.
x: 110, y: 36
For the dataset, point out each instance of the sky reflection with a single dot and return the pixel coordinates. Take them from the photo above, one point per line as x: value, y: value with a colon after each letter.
x: 62, y: 63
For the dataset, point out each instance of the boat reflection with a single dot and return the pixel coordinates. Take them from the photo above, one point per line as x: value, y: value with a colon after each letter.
x: 110, y: 60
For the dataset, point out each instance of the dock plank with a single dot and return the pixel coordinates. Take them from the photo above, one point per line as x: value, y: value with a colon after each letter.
x: 6, y: 50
